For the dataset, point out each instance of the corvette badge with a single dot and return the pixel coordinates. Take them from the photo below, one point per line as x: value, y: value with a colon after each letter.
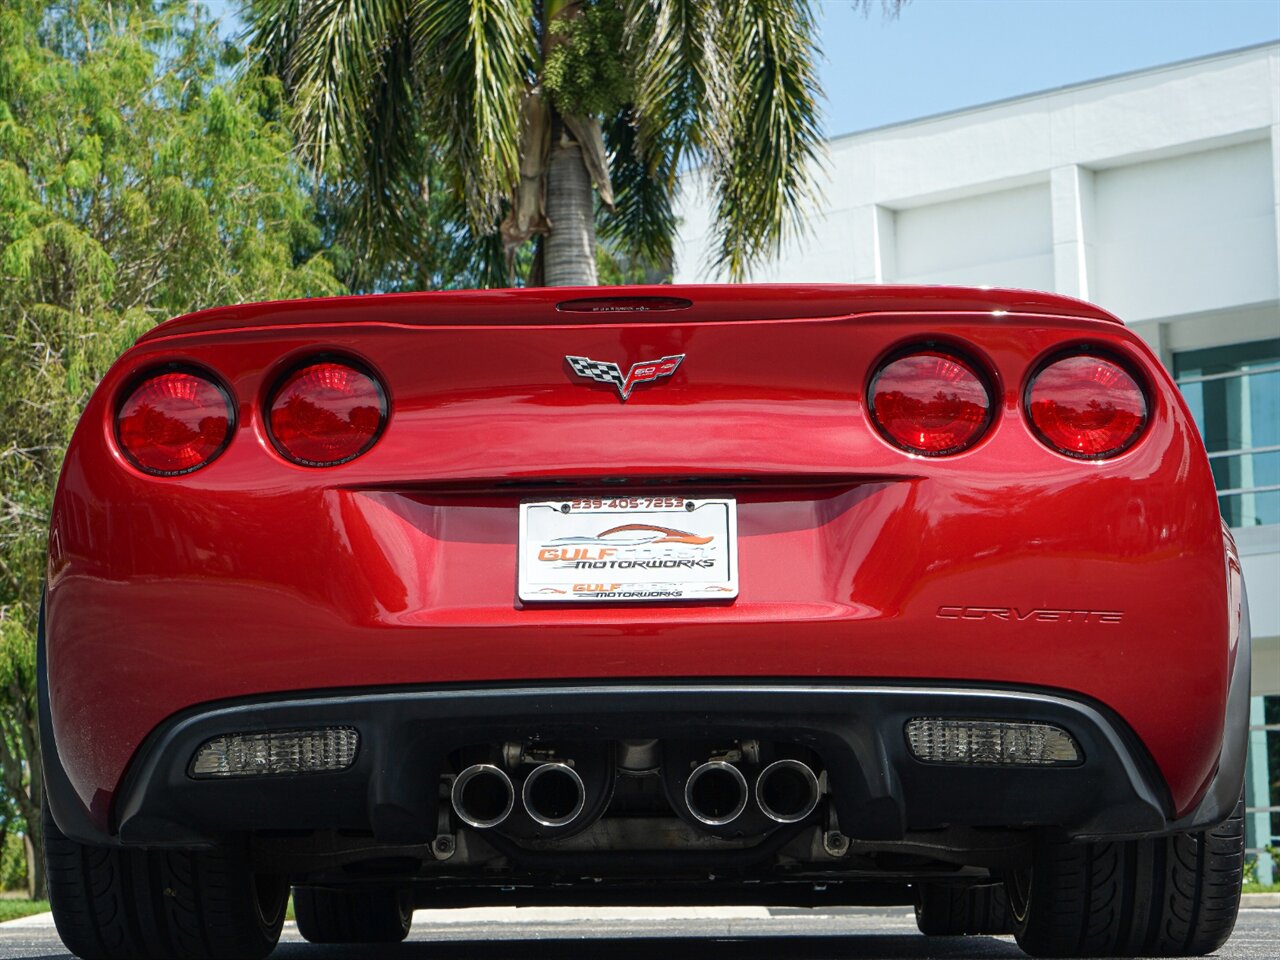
x: 642, y: 372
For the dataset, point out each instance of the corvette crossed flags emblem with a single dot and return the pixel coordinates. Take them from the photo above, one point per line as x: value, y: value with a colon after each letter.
x: 642, y: 372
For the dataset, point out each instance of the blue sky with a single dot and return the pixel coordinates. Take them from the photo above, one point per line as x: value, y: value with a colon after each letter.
x: 942, y: 55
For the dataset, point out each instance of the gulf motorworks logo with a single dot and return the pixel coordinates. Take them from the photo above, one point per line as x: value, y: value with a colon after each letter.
x: 630, y: 540
x: 603, y: 371
x: 636, y: 535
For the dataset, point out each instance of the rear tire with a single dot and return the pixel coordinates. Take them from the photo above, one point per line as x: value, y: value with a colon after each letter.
x: 352, y: 915
x: 957, y: 911
x: 1166, y: 897
x: 121, y: 904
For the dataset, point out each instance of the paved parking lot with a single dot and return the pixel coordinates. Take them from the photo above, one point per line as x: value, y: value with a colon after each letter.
x: 731, y: 933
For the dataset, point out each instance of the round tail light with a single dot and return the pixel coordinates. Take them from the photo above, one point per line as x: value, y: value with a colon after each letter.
x: 174, y: 422
x: 327, y: 413
x: 1086, y: 406
x: 930, y: 402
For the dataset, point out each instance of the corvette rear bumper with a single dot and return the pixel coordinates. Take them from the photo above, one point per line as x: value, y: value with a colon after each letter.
x: 879, y: 789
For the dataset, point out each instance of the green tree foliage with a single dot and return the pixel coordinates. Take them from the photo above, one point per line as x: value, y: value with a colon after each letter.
x: 138, y: 180
x: 583, y: 72
x: 432, y: 247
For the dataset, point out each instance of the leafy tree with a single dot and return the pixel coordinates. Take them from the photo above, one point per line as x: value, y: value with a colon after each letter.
x: 137, y: 181
x: 518, y: 108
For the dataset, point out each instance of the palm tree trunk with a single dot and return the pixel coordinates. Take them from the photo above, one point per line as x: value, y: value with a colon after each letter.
x: 570, y: 247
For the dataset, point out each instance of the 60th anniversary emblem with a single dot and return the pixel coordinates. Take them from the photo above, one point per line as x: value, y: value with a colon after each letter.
x: 604, y: 371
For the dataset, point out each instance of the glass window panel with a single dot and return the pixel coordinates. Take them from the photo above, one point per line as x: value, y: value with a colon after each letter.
x: 1235, y: 356
x: 1271, y: 714
x: 1264, y: 402
x: 1273, y: 753
x: 1246, y: 470
x: 1195, y: 403
x: 1250, y: 509
x: 1238, y: 412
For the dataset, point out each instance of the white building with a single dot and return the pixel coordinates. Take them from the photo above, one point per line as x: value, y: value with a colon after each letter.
x: 1155, y: 194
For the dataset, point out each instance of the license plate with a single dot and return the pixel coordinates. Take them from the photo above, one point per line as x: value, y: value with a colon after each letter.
x: 647, y: 549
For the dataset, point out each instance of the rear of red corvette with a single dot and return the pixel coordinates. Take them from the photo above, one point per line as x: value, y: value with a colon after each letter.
x: 681, y: 594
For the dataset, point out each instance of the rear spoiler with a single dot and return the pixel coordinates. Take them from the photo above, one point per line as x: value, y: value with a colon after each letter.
x: 567, y: 306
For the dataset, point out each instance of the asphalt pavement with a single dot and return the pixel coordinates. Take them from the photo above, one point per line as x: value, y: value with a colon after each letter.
x: 729, y: 933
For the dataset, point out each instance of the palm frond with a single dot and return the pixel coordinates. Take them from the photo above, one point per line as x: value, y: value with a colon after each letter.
x: 272, y: 33
x: 330, y: 55
x: 392, y: 158
x: 475, y: 59
x: 429, y: 245
x: 766, y: 177
x: 643, y: 221
x: 347, y: 66
x: 679, y: 75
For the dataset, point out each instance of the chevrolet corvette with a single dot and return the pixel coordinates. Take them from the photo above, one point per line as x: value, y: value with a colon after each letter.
x: 658, y: 595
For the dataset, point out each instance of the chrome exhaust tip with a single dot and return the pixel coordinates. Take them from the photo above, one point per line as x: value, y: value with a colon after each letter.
x: 716, y: 793
x: 553, y: 794
x: 787, y: 791
x: 482, y: 795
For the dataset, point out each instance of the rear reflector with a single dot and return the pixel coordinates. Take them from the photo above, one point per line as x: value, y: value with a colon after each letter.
x: 985, y: 742
x: 280, y: 751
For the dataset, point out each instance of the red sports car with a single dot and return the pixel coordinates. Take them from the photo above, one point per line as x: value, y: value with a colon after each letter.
x: 772, y: 594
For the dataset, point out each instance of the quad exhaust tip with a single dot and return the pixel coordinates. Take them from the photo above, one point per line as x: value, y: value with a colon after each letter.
x: 553, y: 794
x: 787, y: 791
x: 716, y: 793
x: 482, y: 795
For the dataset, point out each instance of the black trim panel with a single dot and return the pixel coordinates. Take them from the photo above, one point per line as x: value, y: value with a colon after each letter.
x: 880, y: 790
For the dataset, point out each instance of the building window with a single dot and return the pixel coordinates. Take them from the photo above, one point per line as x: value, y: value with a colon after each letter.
x: 1262, y: 787
x: 1234, y: 395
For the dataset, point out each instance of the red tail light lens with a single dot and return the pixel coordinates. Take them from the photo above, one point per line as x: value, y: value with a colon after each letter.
x: 327, y: 413
x: 174, y: 422
x: 1087, y: 407
x: 930, y: 402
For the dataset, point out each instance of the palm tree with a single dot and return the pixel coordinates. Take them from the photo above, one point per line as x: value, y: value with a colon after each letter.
x: 535, y: 118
